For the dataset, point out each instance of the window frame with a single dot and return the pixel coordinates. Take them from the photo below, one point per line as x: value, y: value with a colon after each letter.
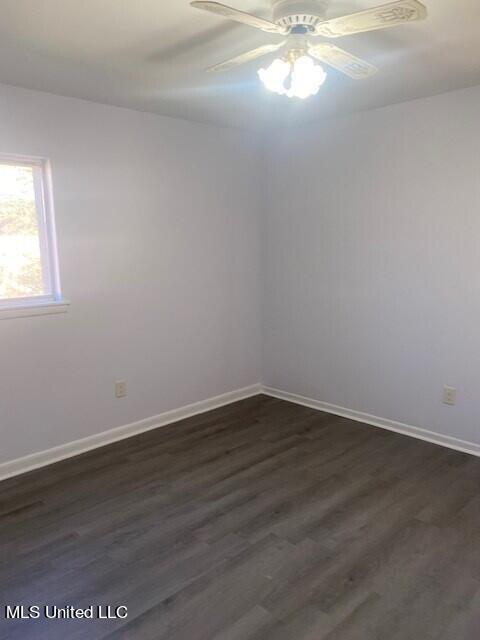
x: 51, y: 301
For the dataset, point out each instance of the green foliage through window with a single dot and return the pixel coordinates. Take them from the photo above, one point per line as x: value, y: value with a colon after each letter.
x: 20, y: 259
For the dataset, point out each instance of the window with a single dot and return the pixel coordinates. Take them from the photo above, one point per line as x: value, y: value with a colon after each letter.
x: 28, y: 262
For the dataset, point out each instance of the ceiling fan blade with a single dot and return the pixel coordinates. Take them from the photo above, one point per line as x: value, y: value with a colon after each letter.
x: 246, y: 57
x: 238, y: 16
x: 343, y: 61
x: 387, y: 15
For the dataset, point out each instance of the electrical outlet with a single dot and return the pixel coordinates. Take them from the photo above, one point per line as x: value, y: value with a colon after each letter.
x: 449, y: 395
x: 120, y: 389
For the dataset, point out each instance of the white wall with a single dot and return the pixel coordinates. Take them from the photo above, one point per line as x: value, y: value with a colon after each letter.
x: 372, y: 262
x: 370, y: 256
x: 158, y: 231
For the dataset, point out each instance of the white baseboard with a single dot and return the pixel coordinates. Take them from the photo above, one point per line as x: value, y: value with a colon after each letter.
x: 43, y: 458
x: 383, y: 423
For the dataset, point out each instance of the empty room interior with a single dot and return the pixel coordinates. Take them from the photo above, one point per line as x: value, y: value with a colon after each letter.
x: 239, y: 320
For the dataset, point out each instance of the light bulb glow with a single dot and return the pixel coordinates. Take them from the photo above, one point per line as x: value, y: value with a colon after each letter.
x: 300, y: 80
x: 274, y: 77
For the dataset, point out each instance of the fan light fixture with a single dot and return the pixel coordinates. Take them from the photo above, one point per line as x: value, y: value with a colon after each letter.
x: 300, y: 22
x: 297, y: 77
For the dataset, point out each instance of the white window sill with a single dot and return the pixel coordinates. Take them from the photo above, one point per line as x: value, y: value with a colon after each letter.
x: 34, y: 309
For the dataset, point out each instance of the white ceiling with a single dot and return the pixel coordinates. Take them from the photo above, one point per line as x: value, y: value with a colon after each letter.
x: 151, y: 54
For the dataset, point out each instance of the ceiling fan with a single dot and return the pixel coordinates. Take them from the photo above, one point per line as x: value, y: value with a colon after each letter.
x: 301, y: 20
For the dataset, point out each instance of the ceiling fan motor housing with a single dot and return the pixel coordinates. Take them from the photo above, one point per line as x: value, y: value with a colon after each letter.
x: 295, y: 14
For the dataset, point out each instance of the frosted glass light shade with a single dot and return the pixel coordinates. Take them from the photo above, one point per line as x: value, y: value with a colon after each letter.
x: 300, y: 80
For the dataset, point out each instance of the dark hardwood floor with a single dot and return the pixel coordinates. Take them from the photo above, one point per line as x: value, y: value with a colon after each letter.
x: 262, y: 520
